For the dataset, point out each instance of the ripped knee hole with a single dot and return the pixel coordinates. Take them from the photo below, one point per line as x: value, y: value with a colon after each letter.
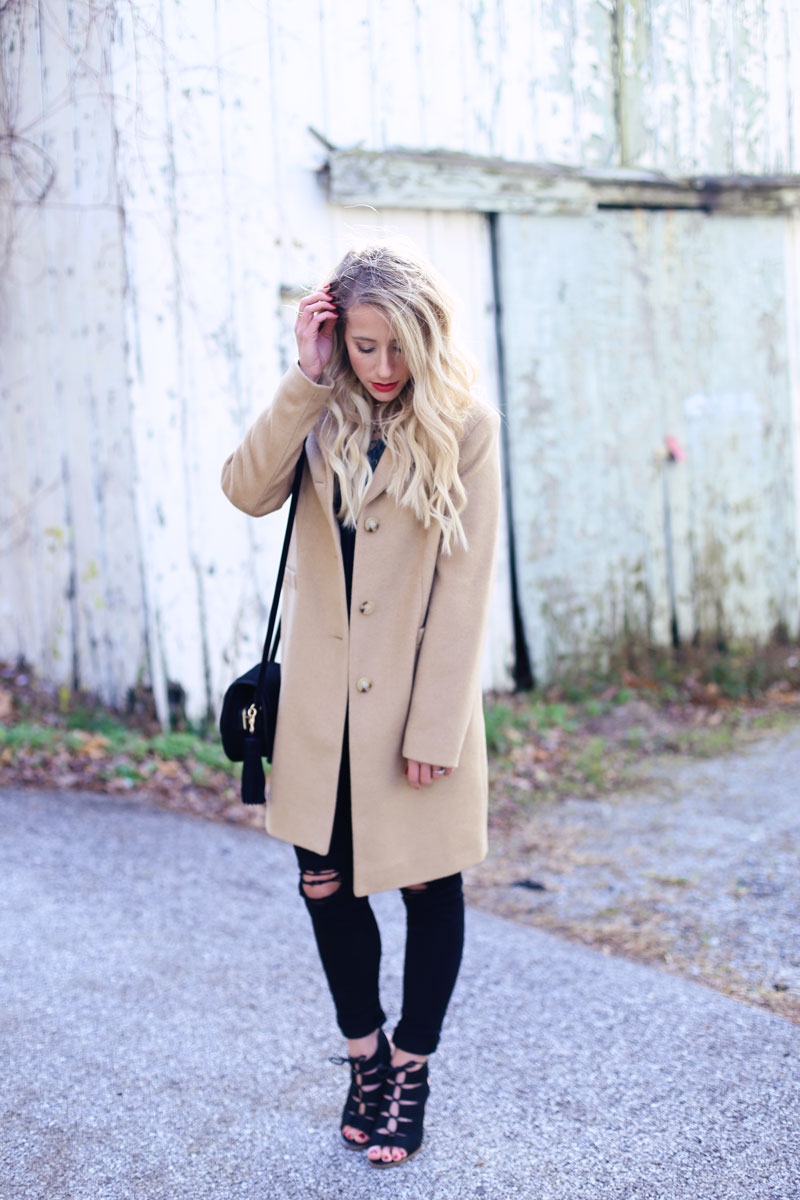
x: 318, y: 885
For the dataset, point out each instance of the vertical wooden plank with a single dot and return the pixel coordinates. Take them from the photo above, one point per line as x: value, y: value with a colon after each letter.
x: 790, y: 598
x: 739, y: 426
x: 240, y: 564
x: 553, y: 59
x: 713, y: 78
x: 400, y: 87
x: 777, y: 84
x: 207, y: 333
x: 91, y: 377
x: 520, y: 129
x: 668, y: 98
x: 299, y: 100
x: 141, y: 174
x: 791, y: 22
x: 592, y: 83
x: 147, y: 113
x: 751, y: 141
x: 483, y: 50
x: 37, y: 620
x: 342, y: 73
x: 670, y: 58
x: 73, y: 387
x: 31, y: 500
x: 670, y: 259
x: 444, y: 77
x: 633, y: 76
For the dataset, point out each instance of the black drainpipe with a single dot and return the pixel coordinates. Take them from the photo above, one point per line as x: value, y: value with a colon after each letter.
x: 521, y: 671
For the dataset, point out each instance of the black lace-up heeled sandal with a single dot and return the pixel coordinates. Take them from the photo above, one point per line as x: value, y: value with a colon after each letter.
x: 402, y: 1112
x: 366, y: 1088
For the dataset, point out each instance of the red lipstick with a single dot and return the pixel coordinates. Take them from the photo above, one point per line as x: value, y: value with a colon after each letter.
x: 384, y: 387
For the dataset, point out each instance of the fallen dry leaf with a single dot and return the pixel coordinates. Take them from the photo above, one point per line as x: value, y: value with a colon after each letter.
x: 638, y: 681
x: 169, y: 768
x: 94, y: 747
x: 780, y: 696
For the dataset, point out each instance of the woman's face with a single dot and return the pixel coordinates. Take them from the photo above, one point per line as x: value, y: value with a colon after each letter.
x: 375, y: 356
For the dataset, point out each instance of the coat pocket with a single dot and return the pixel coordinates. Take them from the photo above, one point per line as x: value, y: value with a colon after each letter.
x: 420, y: 635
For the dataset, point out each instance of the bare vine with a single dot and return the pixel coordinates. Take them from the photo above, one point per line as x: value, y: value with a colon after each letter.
x: 28, y: 171
x: 32, y: 168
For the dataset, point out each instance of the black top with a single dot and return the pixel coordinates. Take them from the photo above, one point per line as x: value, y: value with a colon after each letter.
x: 347, y: 535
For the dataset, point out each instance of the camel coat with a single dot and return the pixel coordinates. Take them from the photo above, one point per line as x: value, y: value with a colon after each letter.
x: 407, y: 665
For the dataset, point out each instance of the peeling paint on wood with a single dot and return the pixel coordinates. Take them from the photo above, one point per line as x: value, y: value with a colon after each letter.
x: 159, y: 188
x: 460, y: 181
x: 621, y: 330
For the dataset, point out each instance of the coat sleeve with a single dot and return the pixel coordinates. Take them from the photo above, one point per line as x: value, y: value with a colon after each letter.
x: 449, y: 665
x: 257, y: 477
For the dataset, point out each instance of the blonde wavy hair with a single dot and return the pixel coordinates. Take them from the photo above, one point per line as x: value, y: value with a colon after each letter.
x: 422, y: 425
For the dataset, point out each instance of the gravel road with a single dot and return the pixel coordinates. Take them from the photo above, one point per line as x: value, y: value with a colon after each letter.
x: 164, y: 1036
x: 698, y: 871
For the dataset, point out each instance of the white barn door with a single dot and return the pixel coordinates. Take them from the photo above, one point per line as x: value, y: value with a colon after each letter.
x: 623, y: 329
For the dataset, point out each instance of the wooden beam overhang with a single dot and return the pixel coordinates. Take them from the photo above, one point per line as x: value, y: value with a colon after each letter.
x: 467, y: 183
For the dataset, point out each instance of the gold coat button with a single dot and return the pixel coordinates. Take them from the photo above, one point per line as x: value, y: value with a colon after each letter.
x: 364, y: 684
x: 366, y: 608
x: 370, y: 524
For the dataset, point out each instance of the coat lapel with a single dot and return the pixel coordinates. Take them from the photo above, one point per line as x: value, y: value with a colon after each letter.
x: 322, y: 479
x: 380, y: 478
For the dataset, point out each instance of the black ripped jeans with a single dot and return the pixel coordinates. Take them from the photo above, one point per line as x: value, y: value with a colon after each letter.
x: 349, y: 941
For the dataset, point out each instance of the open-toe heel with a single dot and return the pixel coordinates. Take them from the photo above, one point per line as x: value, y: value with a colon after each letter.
x: 402, y: 1112
x: 366, y: 1084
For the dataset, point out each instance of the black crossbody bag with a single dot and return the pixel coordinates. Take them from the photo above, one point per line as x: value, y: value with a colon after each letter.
x: 250, y: 707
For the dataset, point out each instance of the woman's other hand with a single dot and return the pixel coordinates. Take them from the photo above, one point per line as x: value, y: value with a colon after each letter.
x: 313, y: 329
x: 419, y: 774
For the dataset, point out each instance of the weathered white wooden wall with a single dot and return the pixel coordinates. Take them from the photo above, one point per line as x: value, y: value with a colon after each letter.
x: 70, y: 552
x: 160, y: 210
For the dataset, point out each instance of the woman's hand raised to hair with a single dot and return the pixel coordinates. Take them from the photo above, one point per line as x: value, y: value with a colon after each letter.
x: 420, y: 774
x: 313, y: 329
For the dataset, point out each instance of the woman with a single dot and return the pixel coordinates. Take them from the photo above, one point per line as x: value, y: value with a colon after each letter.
x: 379, y: 767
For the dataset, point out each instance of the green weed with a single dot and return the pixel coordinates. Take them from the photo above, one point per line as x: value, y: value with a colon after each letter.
x: 498, y: 718
x: 127, y: 771
x: 592, y: 762
x: 552, y: 716
x: 29, y: 736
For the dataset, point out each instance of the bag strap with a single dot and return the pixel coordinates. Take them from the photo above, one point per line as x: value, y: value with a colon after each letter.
x: 270, y: 650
